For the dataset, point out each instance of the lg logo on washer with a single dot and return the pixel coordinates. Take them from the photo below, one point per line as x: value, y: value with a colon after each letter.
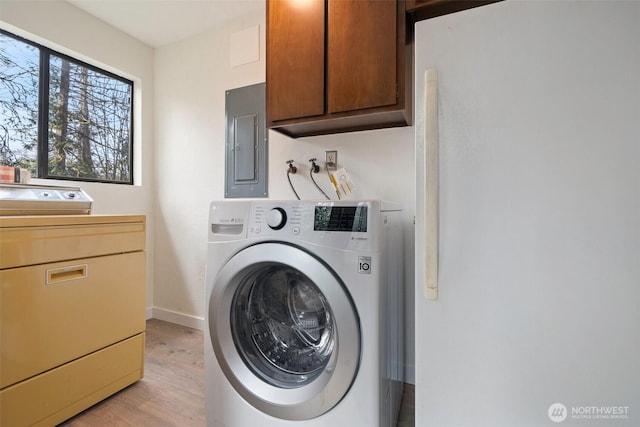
x: 364, y: 264
x: 232, y: 220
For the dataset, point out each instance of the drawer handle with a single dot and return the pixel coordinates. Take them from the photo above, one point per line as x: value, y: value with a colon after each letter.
x: 64, y: 274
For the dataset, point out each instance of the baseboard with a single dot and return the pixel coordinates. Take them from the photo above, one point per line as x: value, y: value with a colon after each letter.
x: 171, y: 316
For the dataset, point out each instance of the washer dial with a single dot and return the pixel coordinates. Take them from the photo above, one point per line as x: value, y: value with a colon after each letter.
x: 276, y: 218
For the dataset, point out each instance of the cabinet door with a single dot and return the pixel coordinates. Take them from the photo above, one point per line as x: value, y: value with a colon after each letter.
x: 361, y: 54
x: 51, y: 314
x: 295, y: 59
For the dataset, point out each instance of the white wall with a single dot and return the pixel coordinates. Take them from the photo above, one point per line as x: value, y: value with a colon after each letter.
x: 191, y: 79
x: 67, y: 29
x: 540, y: 215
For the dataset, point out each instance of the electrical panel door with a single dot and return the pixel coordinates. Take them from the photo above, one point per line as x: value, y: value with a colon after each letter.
x: 246, y: 142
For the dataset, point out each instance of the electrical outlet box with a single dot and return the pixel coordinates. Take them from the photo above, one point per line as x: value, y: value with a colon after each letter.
x: 331, y: 160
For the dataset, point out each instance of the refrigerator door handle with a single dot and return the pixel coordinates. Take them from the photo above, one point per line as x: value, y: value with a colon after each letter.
x: 431, y: 208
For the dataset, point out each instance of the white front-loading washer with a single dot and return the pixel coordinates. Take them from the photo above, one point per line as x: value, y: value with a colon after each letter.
x: 304, y: 314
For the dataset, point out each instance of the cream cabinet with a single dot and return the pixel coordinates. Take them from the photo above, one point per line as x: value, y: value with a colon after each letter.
x: 72, y: 313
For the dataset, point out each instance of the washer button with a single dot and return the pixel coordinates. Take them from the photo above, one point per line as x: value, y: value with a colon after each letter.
x: 295, y: 230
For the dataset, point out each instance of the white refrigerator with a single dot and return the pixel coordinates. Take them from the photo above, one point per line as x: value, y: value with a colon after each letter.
x: 537, y: 317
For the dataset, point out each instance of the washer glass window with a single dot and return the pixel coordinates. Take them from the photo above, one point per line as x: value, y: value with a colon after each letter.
x: 282, y: 325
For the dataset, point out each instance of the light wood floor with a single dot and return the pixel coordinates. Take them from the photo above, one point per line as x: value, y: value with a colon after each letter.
x: 172, y: 390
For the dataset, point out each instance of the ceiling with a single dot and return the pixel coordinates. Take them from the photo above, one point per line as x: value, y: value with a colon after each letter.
x: 161, y: 22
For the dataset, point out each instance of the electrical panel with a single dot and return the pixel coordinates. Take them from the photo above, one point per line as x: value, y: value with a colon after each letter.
x: 246, y: 142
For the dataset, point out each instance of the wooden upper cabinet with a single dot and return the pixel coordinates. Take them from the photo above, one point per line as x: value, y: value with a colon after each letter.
x: 295, y: 59
x: 361, y: 55
x: 418, y: 10
x: 337, y: 66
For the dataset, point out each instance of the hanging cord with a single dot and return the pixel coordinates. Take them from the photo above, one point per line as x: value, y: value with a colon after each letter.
x: 292, y: 170
x: 326, y: 167
x: 315, y: 169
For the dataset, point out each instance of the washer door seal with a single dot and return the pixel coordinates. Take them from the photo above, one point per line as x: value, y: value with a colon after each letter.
x: 284, y: 331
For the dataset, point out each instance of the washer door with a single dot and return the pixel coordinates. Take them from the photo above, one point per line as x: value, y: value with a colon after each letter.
x: 284, y: 330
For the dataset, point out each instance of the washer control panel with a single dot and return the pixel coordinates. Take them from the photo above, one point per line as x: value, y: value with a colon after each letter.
x: 355, y: 225
x: 344, y: 224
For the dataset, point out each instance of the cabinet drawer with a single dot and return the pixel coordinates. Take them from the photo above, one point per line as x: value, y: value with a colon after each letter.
x: 30, y: 240
x: 53, y: 313
x: 56, y: 395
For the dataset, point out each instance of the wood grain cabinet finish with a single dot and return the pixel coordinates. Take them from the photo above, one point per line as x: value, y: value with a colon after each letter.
x: 418, y: 10
x: 361, y: 59
x: 337, y: 66
x: 295, y: 59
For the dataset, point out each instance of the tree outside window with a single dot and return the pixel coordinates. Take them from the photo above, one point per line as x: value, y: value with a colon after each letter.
x: 61, y: 118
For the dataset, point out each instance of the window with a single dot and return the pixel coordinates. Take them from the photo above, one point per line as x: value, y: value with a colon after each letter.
x: 61, y: 118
